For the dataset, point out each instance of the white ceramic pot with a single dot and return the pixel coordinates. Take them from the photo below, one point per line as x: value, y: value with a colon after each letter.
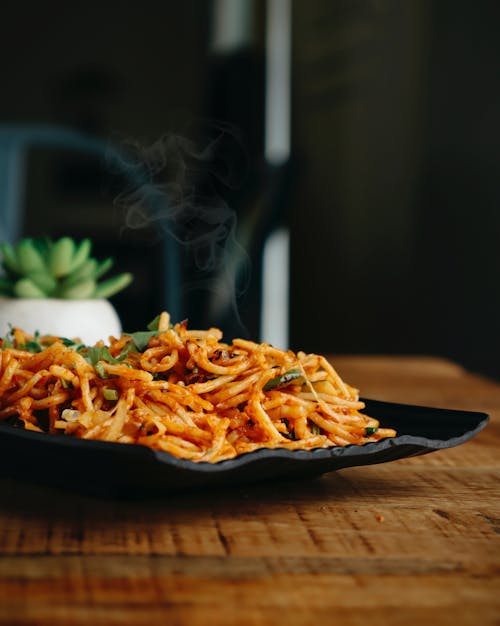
x: 89, y: 320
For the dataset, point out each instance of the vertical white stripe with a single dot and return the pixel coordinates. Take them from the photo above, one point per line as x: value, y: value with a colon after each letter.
x: 275, y: 289
x: 276, y: 254
x: 278, y: 68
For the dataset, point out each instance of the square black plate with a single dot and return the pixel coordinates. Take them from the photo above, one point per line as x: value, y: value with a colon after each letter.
x: 126, y: 470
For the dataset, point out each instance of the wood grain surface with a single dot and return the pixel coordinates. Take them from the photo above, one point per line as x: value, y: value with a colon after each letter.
x: 410, y: 542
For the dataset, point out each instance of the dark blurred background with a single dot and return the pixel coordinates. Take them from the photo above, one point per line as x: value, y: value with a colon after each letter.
x: 391, y: 193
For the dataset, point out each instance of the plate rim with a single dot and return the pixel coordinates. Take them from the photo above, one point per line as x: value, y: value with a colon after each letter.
x: 228, y: 465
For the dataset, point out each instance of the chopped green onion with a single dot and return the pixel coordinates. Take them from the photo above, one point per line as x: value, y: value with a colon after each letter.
x: 99, y: 368
x: 370, y: 430
x: 110, y: 394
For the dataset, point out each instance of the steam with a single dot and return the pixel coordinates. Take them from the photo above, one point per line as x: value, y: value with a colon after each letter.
x: 176, y: 185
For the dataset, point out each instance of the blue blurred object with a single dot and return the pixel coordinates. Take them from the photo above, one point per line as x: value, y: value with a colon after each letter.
x: 15, y: 143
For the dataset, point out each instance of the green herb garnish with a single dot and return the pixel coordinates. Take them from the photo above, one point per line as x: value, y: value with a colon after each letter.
x: 94, y: 354
x: 69, y: 343
x: 153, y: 325
x: 142, y: 338
x: 370, y: 430
x: 283, y: 379
x: 31, y: 346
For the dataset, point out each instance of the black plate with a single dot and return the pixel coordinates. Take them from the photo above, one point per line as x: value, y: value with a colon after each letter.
x: 116, y: 469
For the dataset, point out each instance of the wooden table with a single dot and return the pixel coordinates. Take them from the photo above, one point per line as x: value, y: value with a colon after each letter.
x: 415, y: 541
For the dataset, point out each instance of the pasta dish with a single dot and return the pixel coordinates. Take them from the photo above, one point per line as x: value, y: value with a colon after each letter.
x: 181, y: 391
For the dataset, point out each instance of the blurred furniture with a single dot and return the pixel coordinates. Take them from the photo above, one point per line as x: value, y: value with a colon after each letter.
x: 410, y: 542
x: 15, y: 143
x: 252, y: 91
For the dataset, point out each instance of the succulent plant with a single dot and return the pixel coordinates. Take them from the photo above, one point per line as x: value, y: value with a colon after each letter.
x: 42, y: 268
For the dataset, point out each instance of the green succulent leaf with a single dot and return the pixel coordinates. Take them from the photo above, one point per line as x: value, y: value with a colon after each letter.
x: 40, y: 268
x: 61, y: 256
x: 85, y: 271
x: 29, y: 258
x: 26, y: 288
x: 9, y: 257
x: 43, y: 246
x: 79, y: 291
x: 103, y: 267
x: 81, y: 254
x: 44, y: 281
x: 113, y: 285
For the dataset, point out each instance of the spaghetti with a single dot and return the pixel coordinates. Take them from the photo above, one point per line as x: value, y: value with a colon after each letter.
x: 181, y: 391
